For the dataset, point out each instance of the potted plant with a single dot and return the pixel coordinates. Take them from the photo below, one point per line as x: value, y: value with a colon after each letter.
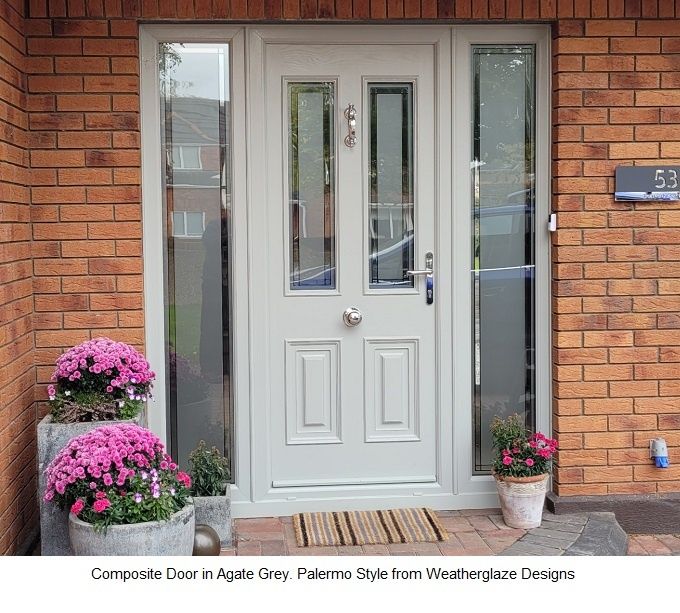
x: 98, y: 381
x: 126, y: 496
x: 210, y: 490
x: 521, y: 468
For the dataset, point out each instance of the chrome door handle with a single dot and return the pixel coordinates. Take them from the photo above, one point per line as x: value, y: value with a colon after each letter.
x: 351, y: 116
x: 352, y: 317
x: 429, y: 277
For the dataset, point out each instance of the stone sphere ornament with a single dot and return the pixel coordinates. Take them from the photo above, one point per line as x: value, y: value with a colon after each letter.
x: 206, y: 541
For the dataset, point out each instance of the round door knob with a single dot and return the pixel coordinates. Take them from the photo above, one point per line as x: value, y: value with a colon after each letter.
x: 352, y: 317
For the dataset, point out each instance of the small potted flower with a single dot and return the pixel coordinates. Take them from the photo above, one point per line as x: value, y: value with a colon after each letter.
x: 210, y: 490
x: 125, y: 494
x: 96, y: 382
x: 521, y: 468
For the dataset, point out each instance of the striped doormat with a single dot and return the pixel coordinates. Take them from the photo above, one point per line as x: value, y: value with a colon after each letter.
x: 368, y: 527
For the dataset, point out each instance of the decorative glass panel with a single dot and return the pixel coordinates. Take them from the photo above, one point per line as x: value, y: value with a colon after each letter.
x: 311, y: 180
x: 195, y: 133
x: 390, y: 229
x: 502, y: 260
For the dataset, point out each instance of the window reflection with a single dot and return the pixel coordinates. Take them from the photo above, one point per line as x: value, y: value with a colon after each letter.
x: 195, y: 120
x: 503, y: 270
x: 391, y: 226
x: 311, y: 178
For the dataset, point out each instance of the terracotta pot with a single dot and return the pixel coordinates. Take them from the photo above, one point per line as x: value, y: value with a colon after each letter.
x: 522, y: 499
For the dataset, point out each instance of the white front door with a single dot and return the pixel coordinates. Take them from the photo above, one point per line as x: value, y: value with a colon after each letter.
x: 351, y: 400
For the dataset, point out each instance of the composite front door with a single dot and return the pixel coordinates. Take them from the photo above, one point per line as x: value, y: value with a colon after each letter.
x: 362, y: 203
x: 350, y: 209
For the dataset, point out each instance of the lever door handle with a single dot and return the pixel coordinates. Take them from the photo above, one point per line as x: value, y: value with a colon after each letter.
x: 429, y: 277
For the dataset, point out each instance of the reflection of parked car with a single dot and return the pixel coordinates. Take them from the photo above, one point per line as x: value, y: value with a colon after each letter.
x: 391, y: 258
x: 503, y: 285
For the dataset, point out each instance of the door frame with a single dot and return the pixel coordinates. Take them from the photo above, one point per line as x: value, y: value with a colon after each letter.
x: 153, y: 242
x: 470, y: 487
x: 459, y: 488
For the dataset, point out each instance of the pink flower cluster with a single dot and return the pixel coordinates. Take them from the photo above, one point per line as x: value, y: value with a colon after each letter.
x: 104, y: 365
x: 538, y: 445
x: 102, y: 457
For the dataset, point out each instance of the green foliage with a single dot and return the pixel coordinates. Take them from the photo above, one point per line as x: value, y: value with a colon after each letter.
x: 89, y: 405
x: 209, y: 471
x: 518, y: 452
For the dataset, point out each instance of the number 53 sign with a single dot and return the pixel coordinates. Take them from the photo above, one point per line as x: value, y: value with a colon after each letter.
x: 647, y: 183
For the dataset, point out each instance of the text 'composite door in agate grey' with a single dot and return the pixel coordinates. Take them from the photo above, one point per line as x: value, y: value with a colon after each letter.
x: 350, y: 239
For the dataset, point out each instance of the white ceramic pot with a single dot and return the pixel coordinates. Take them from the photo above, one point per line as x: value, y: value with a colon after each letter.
x: 522, y: 499
x: 173, y: 537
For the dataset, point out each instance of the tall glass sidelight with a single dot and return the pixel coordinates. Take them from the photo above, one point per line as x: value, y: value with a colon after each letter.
x: 502, y: 258
x: 195, y: 140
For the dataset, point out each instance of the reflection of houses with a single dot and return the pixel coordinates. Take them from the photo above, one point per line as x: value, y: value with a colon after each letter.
x: 196, y: 163
x: 196, y: 159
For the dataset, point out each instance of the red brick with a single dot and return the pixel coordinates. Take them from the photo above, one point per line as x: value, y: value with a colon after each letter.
x: 81, y: 140
x: 89, y: 284
x: 607, y: 406
x: 54, y: 46
x: 84, y: 176
x: 607, y: 475
x: 86, y: 212
x: 80, y: 27
x: 60, y: 83
x: 107, y: 302
x: 634, y: 115
x: 637, y: 44
x: 82, y: 65
x: 607, y: 440
x: 110, y: 46
x: 83, y: 102
x: 610, y: 28
x: 46, y: 158
x: 117, y: 83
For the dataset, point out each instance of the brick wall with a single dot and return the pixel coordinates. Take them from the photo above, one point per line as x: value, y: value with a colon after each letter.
x: 17, y: 372
x: 616, y: 266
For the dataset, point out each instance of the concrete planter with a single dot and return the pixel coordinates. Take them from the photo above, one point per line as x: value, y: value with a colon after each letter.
x: 52, y: 437
x: 215, y: 511
x: 522, y: 500
x: 174, y: 537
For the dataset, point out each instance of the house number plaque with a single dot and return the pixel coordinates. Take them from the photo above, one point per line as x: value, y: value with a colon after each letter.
x: 647, y: 183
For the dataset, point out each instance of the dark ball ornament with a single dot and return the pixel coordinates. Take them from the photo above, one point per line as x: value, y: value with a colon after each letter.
x: 206, y: 541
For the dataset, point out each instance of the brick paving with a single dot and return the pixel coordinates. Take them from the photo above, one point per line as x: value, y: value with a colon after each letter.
x: 654, y: 545
x: 479, y: 532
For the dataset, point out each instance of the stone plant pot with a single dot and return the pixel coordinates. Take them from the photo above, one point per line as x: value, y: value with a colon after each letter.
x: 522, y: 499
x: 52, y: 437
x: 215, y: 511
x: 173, y: 537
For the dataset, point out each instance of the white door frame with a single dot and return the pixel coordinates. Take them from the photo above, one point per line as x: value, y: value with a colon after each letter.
x: 469, y: 487
x: 153, y: 223
x: 453, y: 83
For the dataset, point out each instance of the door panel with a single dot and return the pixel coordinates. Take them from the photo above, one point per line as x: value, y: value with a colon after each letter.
x: 354, y: 405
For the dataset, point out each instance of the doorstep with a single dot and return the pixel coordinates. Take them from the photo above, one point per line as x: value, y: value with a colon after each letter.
x: 477, y: 532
